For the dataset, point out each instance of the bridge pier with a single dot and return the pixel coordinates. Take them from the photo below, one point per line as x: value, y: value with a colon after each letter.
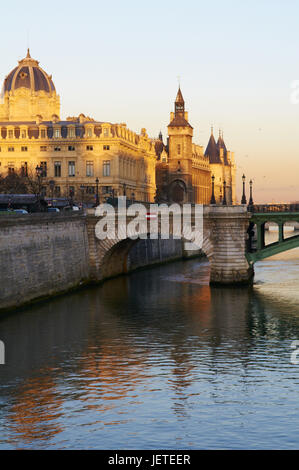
x: 226, y: 227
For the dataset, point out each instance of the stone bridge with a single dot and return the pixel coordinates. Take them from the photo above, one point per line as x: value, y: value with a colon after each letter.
x: 224, y: 243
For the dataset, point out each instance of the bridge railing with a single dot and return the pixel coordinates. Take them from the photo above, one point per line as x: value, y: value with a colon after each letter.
x: 258, y: 208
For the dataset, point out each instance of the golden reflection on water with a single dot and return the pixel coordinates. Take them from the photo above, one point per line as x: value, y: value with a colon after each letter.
x: 162, y: 334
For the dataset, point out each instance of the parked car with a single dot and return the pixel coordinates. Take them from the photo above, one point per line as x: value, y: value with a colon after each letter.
x: 20, y: 211
x: 71, y: 208
x: 53, y: 209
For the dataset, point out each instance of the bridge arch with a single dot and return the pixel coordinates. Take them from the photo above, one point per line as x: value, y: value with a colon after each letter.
x: 279, y: 215
x: 114, y: 255
x: 223, y: 243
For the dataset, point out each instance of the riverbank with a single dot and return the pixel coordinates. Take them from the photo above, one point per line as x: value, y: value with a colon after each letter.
x: 48, y: 255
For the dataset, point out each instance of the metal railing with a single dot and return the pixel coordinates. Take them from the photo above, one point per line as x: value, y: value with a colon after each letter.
x: 262, y: 208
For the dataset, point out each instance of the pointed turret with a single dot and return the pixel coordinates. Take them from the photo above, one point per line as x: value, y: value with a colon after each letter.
x: 221, y: 145
x: 212, y: 150
x: 179, y: 102
x: 179, y: 118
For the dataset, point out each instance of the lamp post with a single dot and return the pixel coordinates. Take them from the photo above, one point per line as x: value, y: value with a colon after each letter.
x: 51, y: 185
x: 213, y: 200
x: 250, y: 198
x: 97, y: 192
x: 39, y: 171
x: 224, y: 203
x: 133, y: 197
x: 82, y: 187
x: 125, y: 189
x: 243, y: 201
x: 71, y: 198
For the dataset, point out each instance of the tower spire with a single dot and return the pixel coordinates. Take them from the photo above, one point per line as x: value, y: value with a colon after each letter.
x: 179, y: 105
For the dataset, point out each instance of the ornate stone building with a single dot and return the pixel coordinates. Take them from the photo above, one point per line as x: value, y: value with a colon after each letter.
x: 184, y: 171
x: 73, y: 152
x: 222, y: 165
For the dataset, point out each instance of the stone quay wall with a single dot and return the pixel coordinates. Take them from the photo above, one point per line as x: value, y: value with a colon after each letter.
x: 41, y: 255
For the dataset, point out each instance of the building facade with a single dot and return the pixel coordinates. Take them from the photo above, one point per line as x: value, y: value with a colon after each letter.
x: 72, y: 153
x: 184, y: 171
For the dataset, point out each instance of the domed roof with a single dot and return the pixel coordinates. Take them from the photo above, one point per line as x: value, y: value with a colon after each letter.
x: 29, y: 75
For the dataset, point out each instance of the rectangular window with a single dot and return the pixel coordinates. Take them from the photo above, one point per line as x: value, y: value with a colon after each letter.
x: 23, y: 134
x: 57, y: 133
x: 57, y: 149
x: 107, y: 189
x: 44, y: 169
x: 89, y: 147
x: 89, y: 168
x: 106, y: 168
x: 71, y: 148
x: 71, y: 168
x: 43, y: 133
x: 43, y: 148
x: 11, y: 168
x: 106, y: 147
x: 24, y: 169
x: 24, y: 149
x: 57, y: 191
x: 90, y: 190
x: 89, y: 132
x: 57, y: 169
x: 10, y: 134
x: 71, y: 132
x: 11, y: 149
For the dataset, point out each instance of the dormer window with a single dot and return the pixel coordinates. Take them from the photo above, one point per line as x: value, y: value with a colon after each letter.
x: 72, y: 132
x: 10, y: 134
x: 89, y: 132
x: 106, y: 132
x: 43, y: 133
x: 57, y: 133
x: 23, y: 134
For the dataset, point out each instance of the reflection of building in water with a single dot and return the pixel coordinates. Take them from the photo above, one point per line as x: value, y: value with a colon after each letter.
x: 36, y: 409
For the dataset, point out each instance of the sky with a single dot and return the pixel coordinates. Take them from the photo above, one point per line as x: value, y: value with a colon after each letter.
x: 119, y: 61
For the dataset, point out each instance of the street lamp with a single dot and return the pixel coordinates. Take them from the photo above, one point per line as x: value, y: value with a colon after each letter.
x: 71, y: 197
x: 125, y: 188
x: 224, y: 203
x: 51, y: 185
x: 82, y: 187
x: 97, y: 192
x: 39, y: 172
x: 213, y: 200
x: 250, y: 199
x: 243, y: 201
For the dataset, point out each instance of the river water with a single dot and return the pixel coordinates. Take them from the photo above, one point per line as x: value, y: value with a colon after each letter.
x: 157, y: 359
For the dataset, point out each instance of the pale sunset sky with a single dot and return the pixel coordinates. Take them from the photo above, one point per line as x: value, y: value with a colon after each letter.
x: 119, y: 61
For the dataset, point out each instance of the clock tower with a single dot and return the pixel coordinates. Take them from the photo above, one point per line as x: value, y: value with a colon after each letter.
x: 180, y: 134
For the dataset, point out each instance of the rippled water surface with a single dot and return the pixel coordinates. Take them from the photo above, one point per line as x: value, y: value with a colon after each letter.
x: 157, y: 359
